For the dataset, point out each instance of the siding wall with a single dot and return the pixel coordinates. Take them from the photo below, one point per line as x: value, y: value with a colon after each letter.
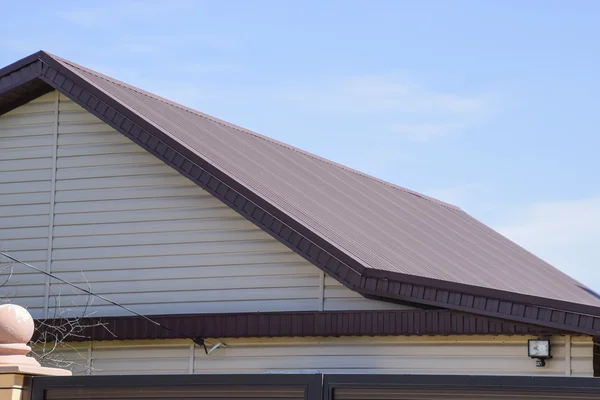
x: 26, y: 161
x: 338, y: 297
x: 483, y: 355
x: 135, y: 230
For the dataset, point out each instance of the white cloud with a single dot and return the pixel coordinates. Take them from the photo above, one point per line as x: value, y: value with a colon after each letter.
x: 88, y: 16
x: 564, y: 233
x: 383, y: 94
x: 164, y: 44
x: 208, y: 68
x: 25, y: 46
x: 373, y: 95
x: 119, y: 15
x: 114, y: 13
x: 402, y: 108
x: 458, y: 195
x: 480, y: 200
x: 376, y: 160
x: 20, y: 45
x: 425, y: 132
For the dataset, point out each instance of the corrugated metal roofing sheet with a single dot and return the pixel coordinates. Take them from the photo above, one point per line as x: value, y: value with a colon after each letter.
x: 380, y: 225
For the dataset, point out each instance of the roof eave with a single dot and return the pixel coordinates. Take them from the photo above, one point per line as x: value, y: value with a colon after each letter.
x: 300, y: 324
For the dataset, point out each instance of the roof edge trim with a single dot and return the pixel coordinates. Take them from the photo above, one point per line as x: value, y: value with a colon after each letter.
x: 20, y: 63
x: 482, y: 291
x: 20, y: 83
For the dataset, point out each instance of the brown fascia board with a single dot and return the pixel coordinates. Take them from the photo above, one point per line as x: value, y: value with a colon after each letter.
x: 19, y: 83
x: 317, y: 250
x: 293, y: 324
x: 17, y: 65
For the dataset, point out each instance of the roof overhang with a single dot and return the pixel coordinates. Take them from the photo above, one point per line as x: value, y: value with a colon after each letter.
x: 40, y: 73
x: 291, y: 324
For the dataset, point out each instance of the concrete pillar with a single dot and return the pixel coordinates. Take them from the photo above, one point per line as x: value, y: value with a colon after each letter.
x: 16, y: 367
x: 14, y: 386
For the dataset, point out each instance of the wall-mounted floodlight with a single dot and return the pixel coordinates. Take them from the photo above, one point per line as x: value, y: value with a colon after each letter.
x: 539, y: 349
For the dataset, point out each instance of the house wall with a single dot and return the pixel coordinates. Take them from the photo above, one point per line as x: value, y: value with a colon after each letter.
x: 119, y: 221
x: 469, y: 355
x: 26, y: 165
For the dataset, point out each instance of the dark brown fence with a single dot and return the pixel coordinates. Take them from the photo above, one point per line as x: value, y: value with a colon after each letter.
x: 434, y: 387
x: 171, y: 387
x: 313, y: 387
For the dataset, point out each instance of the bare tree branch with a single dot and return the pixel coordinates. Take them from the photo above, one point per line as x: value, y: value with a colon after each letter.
x: 53, y: 334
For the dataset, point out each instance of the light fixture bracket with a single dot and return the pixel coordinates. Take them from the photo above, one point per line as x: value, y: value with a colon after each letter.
x: 202, y: 343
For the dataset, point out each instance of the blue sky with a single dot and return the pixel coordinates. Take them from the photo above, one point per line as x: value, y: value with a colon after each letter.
x: 489, y: 105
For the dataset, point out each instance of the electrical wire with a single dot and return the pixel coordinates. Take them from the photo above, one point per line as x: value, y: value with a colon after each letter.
x: 197, y: 340
x: 82, y: 289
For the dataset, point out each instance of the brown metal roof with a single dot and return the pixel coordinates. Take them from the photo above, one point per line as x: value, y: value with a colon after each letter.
x: 377, y: 238
x: 300, y: 324
x: 382, y: 226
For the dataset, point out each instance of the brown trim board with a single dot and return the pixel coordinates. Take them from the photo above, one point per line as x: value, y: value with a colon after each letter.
x: 298, y: 324
x: 388, y: 286
x: 21, y: 86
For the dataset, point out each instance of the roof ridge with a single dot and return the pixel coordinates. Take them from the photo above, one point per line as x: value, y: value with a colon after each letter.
x: 259, y: 136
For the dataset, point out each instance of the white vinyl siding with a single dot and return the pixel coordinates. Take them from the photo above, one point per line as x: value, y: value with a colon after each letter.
x: 148, y: 238
x: 463, y: 355
x: 131, y: 228
x: 26, y: 151
x: 338, y: 297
